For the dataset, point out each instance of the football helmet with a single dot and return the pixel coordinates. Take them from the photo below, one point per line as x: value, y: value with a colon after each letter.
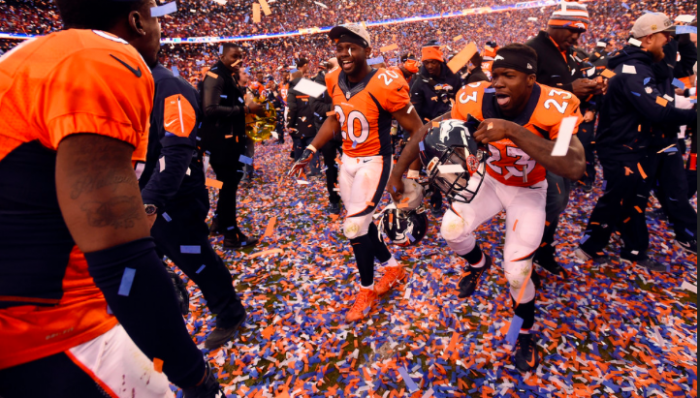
x: 453, y: 160
x: 403, y: 228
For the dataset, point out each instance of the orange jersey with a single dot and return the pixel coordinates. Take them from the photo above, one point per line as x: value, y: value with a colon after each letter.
x: 284, y: 90
x: 256, y: 88
x: 398, y: 71
x: 542, y: 116
x: 364, y: 111
x: 68, y: 82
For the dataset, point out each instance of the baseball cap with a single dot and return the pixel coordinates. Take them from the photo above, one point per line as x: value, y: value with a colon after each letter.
x: 650, y: 23
x: 351, y: 29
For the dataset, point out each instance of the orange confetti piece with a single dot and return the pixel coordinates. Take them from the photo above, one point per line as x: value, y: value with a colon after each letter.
x: 212, y: 75
x: 389, y: 48
x: 462, y: 57
x: 638, y: 209
x: 266, y: 253
x: 641, y: 171
x: 256, y: 12
x: 331, y: 113
x: 436, y: 124
x: 608, y: 74
x: 662, y: 101
x: 265, y: 7
x: 457, y: 38
x: 158, y: 365
x: 270, y: 229
x: 515, y: 225
x: 214, y: 183
x: 628, y: 171
x: 268, y: 332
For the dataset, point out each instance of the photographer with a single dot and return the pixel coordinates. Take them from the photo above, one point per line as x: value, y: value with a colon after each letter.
x: 431, y: 92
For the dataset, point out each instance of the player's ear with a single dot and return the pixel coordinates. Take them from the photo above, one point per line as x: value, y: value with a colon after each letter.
x: 368, y: 52
x: 136, y: 21
x: 531, y: 79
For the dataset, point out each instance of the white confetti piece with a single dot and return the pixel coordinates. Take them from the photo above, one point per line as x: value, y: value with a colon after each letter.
x: 451, y: 169
x: 308, y: 87
x: 635, y: 42
x: 162, y: 163
x: 566, y: 130
x: 629, y: 69
x: 689, y: 287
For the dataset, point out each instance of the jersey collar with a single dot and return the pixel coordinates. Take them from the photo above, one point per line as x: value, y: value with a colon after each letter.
x: 344, y: 84
x: 490, y: 107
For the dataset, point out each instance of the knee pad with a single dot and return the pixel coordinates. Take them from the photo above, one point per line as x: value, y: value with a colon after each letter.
x: 354, y: 227
x: 452, y: 227
x: 517, y: 276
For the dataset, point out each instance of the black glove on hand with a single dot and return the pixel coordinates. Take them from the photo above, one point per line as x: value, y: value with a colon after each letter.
x: 300, y: 164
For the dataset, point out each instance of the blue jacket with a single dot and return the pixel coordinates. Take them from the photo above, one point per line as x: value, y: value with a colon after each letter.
x: 173, y: 168
x: 431, y: 101
x: 631, y: 106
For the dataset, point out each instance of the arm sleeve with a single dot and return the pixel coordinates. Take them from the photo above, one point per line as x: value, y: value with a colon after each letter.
x: 93, y: 92
x: 175, y: 119
x: 650, y: 104
x: 211, y: 98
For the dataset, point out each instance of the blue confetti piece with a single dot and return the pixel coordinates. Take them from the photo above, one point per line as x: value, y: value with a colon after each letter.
x: 196, y: 249
x: 166, y: 217
x: 624, y: 5
x: 691, y: 233
x: 693, y: 101
x: 410, y: 384
x: 678, y: 84
x: 514, y: 330
x: 584, y: 239
x: 200, y: 269
x: 646, y: 81
x: 127, y: 281
x: 164, y: 10
x: 637, y: 94
x: 109, y: 311
x: 246, y: 160
x: 490, y: 90
x: 421, y: 146
x: 410, y: 237
x: 605, y: 184
x: 247, y: 18
x: 683, y: 29
x: 671, y: 150
x: 176, y: 72
x: 354, y: 144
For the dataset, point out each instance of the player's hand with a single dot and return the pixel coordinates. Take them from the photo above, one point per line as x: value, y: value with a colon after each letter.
x: 208, y: 388
x: 300, y: 164
x: 395, y: 188
x: 589, y: 116
x: 255, y: 107
x: 585, y: 87
x: 491, y: 130
x: 680, y: 91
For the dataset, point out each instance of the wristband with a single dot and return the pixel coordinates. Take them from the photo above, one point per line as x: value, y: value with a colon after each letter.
x: 311, y: 148
x: 413, y: 174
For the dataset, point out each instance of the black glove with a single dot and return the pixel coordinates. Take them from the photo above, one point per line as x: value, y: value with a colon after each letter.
x: 183, y: 296
x: 208, y: 388
x: 300, y: 164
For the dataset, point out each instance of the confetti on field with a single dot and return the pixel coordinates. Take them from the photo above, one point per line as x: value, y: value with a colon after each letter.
x: 594, y: 329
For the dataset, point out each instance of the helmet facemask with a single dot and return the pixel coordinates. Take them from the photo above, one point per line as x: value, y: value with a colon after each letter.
x: 463, y: 185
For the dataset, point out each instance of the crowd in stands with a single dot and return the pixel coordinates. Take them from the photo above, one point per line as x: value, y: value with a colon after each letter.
x: 201, y: 18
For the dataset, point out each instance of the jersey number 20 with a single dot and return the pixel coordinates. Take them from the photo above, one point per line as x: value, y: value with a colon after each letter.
x: 353, y: 118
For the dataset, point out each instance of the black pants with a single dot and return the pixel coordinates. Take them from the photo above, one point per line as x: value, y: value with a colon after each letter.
x: 230, y: 175
x: 60, y: 378
x: 671, y: 189
x: 586, y: 132
x: 558, y: 191
x: 622, y: 206
x: 329, y: 154
x: 206, y: 269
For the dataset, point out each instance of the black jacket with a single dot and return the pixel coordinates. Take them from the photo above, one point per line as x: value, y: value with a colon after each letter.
x: 552, y: 69
x: 321, y: 105
x: 431, y: 96
x: 477, y: 75
x: 630, y: 107
x: 223, y: 127
x: 173, y: 168
x: 300, y: 115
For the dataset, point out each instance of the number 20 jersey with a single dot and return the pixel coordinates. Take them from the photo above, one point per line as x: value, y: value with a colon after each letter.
x: 364, y: 111
x: 542, y: 116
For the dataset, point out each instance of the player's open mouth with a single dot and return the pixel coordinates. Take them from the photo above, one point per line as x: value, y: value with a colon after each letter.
x: 346, y: 64
x: 503, y: 99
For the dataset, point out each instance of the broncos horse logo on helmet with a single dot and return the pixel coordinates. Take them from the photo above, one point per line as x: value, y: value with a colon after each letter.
x: 405, y: 223
x: 452, y: 158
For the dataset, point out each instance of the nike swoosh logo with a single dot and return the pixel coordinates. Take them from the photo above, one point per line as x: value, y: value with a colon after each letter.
x: 532, y: 361
x: 136, y: 72
x: 168, y: 124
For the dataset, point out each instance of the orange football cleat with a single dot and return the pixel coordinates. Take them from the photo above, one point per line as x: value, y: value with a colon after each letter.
x: 363, y: 305
x: 390, y: 278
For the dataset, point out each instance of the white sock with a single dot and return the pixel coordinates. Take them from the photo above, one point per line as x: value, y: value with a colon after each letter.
x: 391, y: 263
x: 481, y: 262
x: 370, y: 287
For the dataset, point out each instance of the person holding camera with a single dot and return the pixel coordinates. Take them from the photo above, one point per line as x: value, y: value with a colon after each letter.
x: 431, y: 91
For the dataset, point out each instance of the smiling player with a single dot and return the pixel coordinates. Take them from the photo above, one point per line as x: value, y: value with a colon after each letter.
x: 365, y: 101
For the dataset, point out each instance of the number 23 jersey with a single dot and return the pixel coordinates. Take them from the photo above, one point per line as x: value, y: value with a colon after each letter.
x: 364, y: 110
x: 542, y: 116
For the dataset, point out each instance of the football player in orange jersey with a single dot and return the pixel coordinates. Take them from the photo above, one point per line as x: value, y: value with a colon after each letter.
x: 85, y: 301
x: 408, y: 67
x: 365, y: 101
x: 522, y: 120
